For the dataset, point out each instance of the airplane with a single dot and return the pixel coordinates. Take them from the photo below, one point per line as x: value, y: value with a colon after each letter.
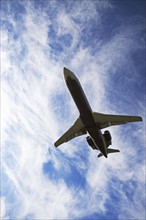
x: 91, y: 122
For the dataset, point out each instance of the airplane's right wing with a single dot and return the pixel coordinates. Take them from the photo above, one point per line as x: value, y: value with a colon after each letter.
x: 76, y: 130
x: 104, y: 120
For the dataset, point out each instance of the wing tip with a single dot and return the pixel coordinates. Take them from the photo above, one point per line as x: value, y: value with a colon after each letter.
x: 140, y: 118
x: 56, y: 144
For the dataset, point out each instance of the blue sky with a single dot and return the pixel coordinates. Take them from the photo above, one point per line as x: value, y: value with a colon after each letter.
x: 103, y: 43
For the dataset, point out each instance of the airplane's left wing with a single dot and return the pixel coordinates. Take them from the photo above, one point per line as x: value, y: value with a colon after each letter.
x: 104, y: 120
x: 77, y: 129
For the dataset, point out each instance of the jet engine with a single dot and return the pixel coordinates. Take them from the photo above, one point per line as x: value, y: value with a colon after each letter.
x: 107, y: 138
x: 90, y: 142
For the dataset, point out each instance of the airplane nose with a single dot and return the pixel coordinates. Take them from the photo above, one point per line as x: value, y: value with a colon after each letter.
x: 68, y: 74
x: 65, y: 70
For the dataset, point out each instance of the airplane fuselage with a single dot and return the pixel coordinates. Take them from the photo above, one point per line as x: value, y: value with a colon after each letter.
x: 85, y: 110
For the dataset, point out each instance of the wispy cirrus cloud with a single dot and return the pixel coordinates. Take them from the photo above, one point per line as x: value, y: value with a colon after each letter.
x: 70, y: 182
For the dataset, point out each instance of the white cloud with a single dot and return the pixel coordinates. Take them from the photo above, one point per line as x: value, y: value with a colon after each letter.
x: 3, y: 214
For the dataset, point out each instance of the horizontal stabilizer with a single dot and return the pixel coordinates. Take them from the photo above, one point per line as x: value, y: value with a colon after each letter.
x: 109, y: 151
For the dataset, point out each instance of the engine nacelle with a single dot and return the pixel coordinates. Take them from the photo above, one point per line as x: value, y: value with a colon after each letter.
x: 107, y: 138
x: 90, y: 142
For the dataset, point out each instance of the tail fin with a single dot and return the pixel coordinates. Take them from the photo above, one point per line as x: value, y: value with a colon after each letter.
x: 109, y: 151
